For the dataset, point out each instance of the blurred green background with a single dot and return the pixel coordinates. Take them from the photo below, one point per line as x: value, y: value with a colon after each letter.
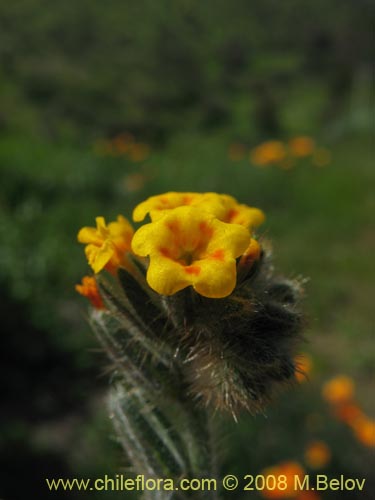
x: 190, y: 81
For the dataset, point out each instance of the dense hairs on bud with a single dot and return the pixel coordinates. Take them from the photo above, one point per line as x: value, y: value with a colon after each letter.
x: 236, y: 351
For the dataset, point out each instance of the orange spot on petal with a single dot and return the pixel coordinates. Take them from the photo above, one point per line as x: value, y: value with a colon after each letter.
x: 186, y: 200
x: 193, y: 270
x: 205, y: 229
x: 218, y: 254
x: 165, y: 252
x: 172, y: 226
x: 232, y: 214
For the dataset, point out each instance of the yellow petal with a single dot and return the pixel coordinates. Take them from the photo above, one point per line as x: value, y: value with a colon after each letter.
x: 231, y: 237
x: 119, y: 228
x: 147, y: 238
x: 166, y: 276
x: 246, y: 216
x: 101, y: 228
x: 98, y: 257
x: 155, y: 205
x: 89, y: 235
x: 212, y: 203
x: 216, y: 279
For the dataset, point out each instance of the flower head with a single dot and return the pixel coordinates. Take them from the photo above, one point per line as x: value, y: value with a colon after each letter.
x: 301, y: 146
x: 338, y: 390
x: 268, y: 153
x: 364, y: 430
x: 348, y: 412
x: 188, y: 246
x: 283, y: 489
x: 317, y: 455
x: 106, y: 245
x: 89, y: 289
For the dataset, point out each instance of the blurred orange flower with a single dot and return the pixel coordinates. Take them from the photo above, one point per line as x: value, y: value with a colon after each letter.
x: 364, y: 430
x: 317, y: 455
x: 124, y: 138
x: 268, y: 153
x: 283, y: 489
x: 348, y: 412
x: 301, y: 146
x: 338, y: 390
x: 89, y: 289
x: 121, y: 144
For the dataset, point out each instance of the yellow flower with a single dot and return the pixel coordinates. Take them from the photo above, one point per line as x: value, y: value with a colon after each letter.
x: 224, y: 207
x: 267, y: 153
x: 89, y: 289
x: 106, y: 245
x: 338, y: 390
x: 188, y: 246
x: 317, y: 455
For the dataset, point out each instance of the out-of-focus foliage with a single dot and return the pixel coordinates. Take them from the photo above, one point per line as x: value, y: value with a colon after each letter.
x: 90, y: 67
x: 187, y: 79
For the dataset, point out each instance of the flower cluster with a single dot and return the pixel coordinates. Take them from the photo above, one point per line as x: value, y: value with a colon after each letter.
x: 280, y: 480
x: 193, y: 239
x: 282, y: 154
x: 268, y: 153
x: 339, y: 393
x: 317, y: 454
x: 286, y: 154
